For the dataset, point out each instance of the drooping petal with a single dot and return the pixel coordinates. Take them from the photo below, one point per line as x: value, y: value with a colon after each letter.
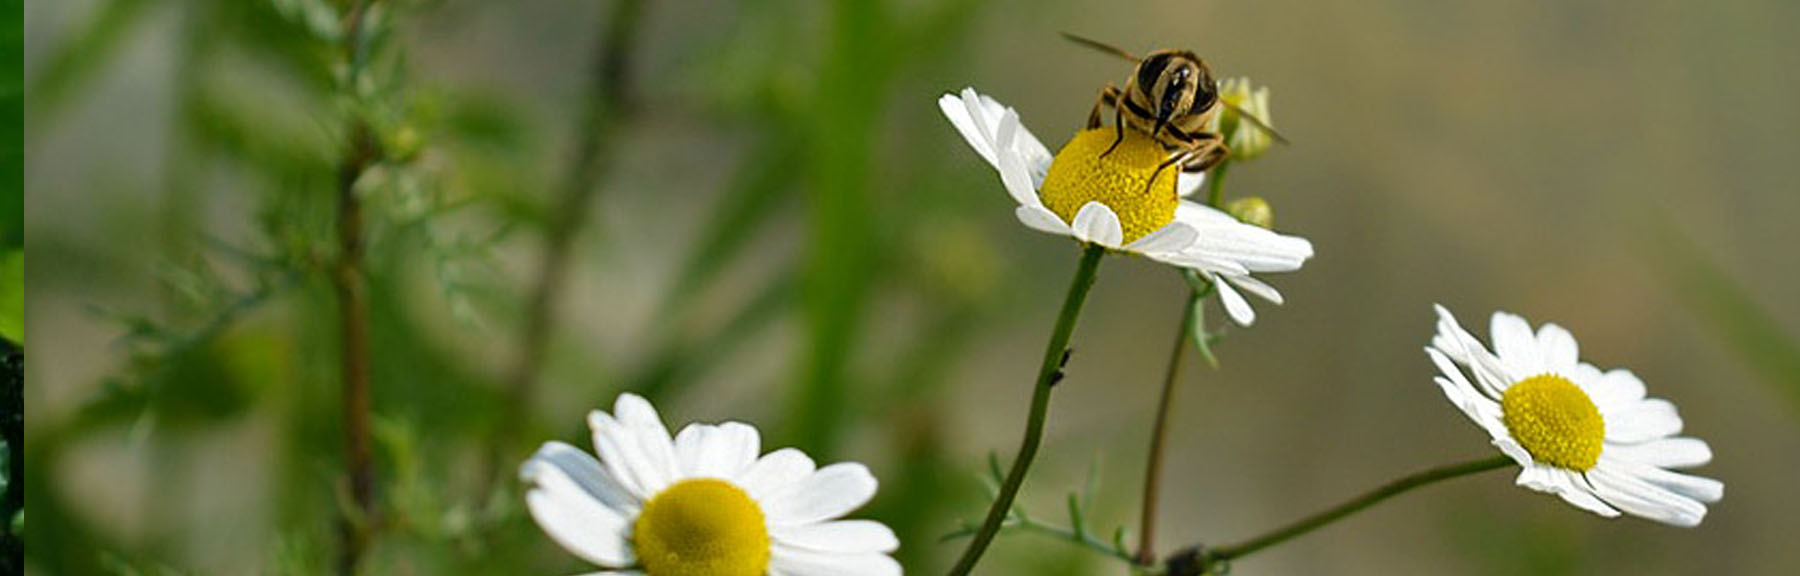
x: 1257, y: 288
x: 1696, y: 487
x: 574, y: 518
x: 1235, y: 306
x: 1171, y: 238
x: 1642, y: 499
x: 1097, y: 224
x: 587, y: 473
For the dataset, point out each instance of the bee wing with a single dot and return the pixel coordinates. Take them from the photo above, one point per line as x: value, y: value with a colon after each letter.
x: 1258, y: 122
x: 1101, y: 46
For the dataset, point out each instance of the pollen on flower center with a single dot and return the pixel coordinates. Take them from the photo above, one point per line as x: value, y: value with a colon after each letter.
x: 702, y: 527
x: 1079, y: 175
x: 1555, y: 421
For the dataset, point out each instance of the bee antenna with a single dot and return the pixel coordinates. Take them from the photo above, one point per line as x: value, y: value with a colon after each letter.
x: 1098, y: 45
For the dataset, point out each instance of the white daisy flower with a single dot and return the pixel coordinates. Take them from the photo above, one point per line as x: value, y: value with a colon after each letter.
x: 1588, y: 436
x: 1113, y: 202
x: 703, y: 504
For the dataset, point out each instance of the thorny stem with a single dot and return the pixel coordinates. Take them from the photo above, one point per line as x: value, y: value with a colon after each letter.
x: 1196, y: 560
x: 1048, y: 374
x: 1159, y: 434
x: 346, y: 279
x: 611, y: 70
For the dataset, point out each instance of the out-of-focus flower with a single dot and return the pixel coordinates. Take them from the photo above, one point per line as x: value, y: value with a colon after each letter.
x: 1588, y: 436
x: 1252, y: 210
x: 703, y: 503
x: 1121, y: 201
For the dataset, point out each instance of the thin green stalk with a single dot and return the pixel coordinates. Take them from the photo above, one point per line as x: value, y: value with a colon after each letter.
x: 1215, y: 184
x: 354, y: 525
x: 1048, y: 373
x: 1159, y: 434
x: 1352, y: 506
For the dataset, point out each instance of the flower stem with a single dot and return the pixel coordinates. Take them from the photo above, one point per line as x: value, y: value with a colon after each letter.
x: 354, y: 527
x: 1352, y: 506
x: 1146, y: 553
x: 1048, y: 374
x: 1215, y: 184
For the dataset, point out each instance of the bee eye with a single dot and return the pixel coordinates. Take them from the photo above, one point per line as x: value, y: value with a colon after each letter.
x: 1150, y: 72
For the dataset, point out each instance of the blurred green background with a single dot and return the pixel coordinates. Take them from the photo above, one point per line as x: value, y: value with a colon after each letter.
x: 784, y: 231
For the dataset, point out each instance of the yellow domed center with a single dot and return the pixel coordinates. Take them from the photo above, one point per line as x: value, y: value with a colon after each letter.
x: 702, y: 527
x: 1121, y: 180
x: 1555, y: 421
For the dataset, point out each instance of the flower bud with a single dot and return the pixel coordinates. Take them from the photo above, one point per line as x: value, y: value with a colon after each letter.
x: 1252, y: 210
x: 1245, y: 139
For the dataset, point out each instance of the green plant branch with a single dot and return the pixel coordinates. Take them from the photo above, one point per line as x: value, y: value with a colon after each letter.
x: 1049, y: 372
x: 1197, y: 560
x: 347, y: 282
x: 1159, y: 432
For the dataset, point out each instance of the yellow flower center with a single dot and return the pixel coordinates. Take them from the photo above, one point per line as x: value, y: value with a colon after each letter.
x: 1555, y: 421
x: 1121, y: 180
x: 702, y: 527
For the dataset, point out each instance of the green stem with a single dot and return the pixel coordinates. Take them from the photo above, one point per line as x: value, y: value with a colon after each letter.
x: 1048, y: 373
x: 1159, y: 434
x: 1357, y: 504
x: 1215, y: 184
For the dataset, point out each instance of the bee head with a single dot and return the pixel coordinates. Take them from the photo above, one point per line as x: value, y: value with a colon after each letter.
x: 1178, y: 83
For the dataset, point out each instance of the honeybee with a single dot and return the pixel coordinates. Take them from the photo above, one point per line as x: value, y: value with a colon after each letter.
x: 1172, y: 97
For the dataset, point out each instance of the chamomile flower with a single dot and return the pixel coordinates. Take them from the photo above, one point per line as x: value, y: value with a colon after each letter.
x: 702, y: 504
x: 1586, y: 435
x: 1111, y: 199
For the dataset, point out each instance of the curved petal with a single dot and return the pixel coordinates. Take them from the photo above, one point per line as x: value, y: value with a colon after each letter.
x: 1235, y: 305
x: 843, y: 537
x: 973, y: 129
x: 1042, y: 219
x: 1257, y: 288
x: 1574, y: 489
x: 1098, y: 224
x: 658, y: 468
x: 1013, y: 173
x: 573, y: 518
x: 1699, y: 488
x: 1640, y: 498
x: 587, y: 473
x: 831, y: 492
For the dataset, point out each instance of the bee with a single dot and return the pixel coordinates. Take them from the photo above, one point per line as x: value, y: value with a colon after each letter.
x: 1171, y: 97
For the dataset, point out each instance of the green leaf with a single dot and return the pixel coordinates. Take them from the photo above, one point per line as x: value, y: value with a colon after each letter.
x: 12, y: 296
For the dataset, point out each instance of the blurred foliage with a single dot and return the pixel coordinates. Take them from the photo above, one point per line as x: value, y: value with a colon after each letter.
x: 1746, y: 327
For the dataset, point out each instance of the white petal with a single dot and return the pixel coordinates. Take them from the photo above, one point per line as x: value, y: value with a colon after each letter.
x: 1537, y: 477
x: 955, y: 109
x: 573, y: 518
x: 1696, y: 487
x: 1513, y: 450
x: 1013, y: 172
x: 1187, y: 183
x: 619, y: 452
x: 1558, y: 348
x: 1042, y: 219
x: 775, y: 474
x: 1235, y: 305
x: 1642, y: 421
x: 787, y: 561
x: 1257, y: 288
x: 831, y: 492
x: 1642, y: 499
x: 658, y: 468
x: 1516, y: 345
x: 843, y: 537
x: 1171, y: 238
x: 1617, y: 388
x: 1490, y: 375
x: 1574, y: 489
x: 717, y: 451
x: 1098, y: 224
x: 1678, y: 452
x: 1253, y: 248
x: 587, y: 473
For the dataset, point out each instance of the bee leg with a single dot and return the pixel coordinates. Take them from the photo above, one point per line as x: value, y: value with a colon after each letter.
x: 1180, y: 158
x: 1118, y: 123
x: 1108, y: 95
x: 1209, y: 152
